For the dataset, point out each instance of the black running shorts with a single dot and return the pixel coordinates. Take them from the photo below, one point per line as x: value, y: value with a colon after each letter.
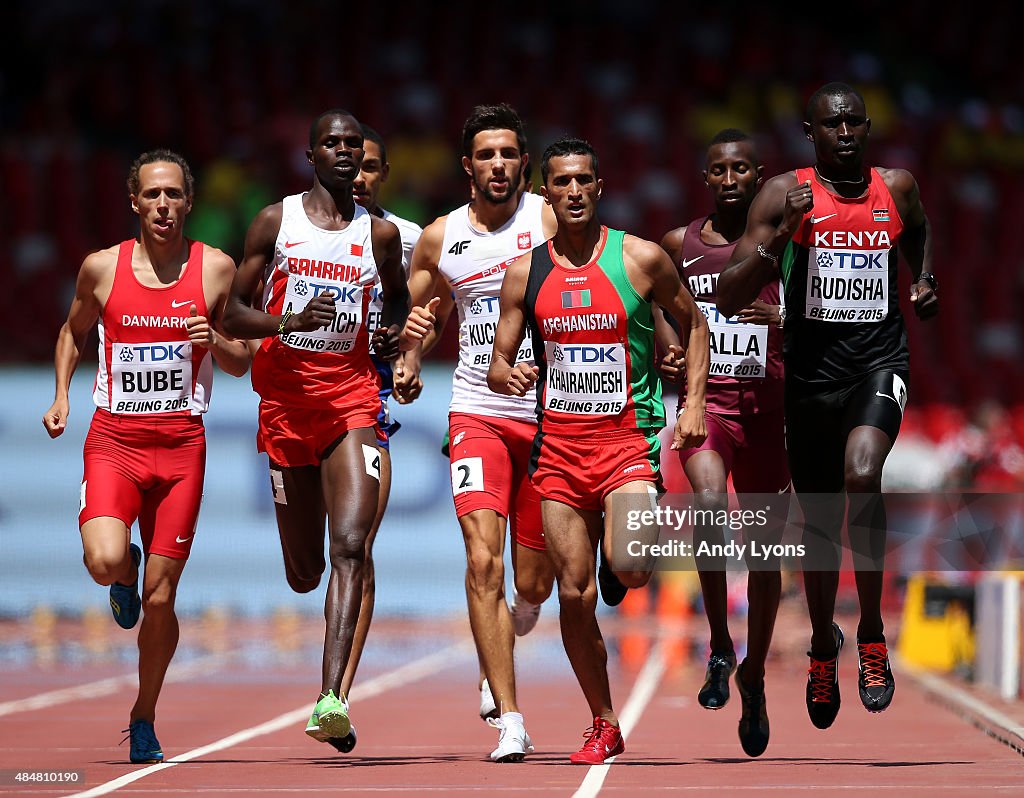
x: 818, y: 422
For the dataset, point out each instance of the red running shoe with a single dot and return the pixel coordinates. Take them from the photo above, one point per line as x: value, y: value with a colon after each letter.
x: 603, y: 742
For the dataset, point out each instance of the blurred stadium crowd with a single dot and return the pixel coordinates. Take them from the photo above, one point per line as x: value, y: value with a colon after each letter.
x: 233, y: 85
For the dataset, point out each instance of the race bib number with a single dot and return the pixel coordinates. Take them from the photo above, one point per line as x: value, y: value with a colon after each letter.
x: 467, y: 475
x: 338, y: 336
x: 480, y: 324
x: 847, y: 285
x: 151, y: 378
x: 737, y: 349
x: 585, y: 379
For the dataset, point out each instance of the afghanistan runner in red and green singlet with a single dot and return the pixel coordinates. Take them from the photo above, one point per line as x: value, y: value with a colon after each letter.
x: 831, y: 232
x: 587, y: 298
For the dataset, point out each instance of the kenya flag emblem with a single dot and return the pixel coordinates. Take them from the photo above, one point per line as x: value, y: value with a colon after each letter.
x: 576, y: 299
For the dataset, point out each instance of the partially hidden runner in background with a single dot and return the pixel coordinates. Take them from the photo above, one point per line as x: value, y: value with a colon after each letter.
x: 830, y: 231
x: 319, y: 255
x: 158, y: 301
x: 466, y: 252
x: 373, y: 173
x: 586, y: 297
x: 746, y: 428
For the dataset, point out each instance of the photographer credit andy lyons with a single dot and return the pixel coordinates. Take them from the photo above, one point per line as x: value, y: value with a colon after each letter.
x: 755, y: 550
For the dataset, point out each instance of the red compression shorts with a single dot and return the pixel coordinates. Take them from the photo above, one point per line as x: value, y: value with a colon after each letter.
x: 489, y: 459
x: 752, y: 448
x: 150, y: 469
x: 300, y: 436
x: 581, y: 472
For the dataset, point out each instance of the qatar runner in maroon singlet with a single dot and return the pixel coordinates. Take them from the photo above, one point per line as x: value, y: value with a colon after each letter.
x: 745, y: 385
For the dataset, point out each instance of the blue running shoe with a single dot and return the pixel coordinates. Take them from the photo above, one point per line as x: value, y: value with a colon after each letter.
x: 145, y: 748
x: 125, y: 602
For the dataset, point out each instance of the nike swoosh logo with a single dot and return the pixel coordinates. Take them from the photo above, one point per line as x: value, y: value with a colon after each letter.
x: 816, y: 219
x: 182, y: 304
x: 691, y: 261
x: 889, y: 396
x: 290, y: 244
x: 182, y: 540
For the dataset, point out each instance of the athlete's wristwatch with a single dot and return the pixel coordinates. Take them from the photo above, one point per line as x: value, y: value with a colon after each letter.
x: 929, y: 278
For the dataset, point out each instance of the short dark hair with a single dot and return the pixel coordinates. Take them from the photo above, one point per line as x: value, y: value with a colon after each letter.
x: 492, y: 117
x: 159, y: 156
x: 323, y: 116
x: 834, y: 89
x: 567, y: 145
x: 728, y: 136
x: 369, y: 134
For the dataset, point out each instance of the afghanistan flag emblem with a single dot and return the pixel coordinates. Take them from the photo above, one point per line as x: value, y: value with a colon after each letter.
x: 576, y: 299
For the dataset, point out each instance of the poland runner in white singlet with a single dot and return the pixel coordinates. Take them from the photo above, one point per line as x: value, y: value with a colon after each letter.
x: 474, y: 264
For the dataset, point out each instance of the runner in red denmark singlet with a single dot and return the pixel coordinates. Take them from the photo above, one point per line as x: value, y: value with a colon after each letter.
x: 328, y: 367
x: 746, y: 374
x: 147, y: 365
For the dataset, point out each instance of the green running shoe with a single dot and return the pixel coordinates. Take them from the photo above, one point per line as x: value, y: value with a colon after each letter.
x: 329, y: 718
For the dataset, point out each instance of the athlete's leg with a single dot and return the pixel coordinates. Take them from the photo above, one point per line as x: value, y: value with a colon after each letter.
x: 158, y: 636
x: 866, y: 450
x: 105, y: 551
x: 369, y: 581
x: 815, y: 444
x: 350, y: 478
x: 572, y: 536
x: 761, y: 470
x: 300, y: 510
x: 483, y: 533
x: 534, y: 574
x: 707, y: 474
x: 638, y: 495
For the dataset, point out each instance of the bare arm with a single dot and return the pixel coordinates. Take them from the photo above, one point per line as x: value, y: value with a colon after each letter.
x: 241, y: 319
x: 774, y: 217
x: 916, y: 241
x: 231, y: 355
x: 505, y: 376
x: 664, y: 333
x: 387, y: 252
x: 420, y: 322
x: 94, y: 280
x: 663, y: 286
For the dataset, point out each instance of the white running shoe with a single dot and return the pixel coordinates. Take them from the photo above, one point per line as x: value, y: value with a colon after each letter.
x: 524, y: 614
x: 513, y: 741
x: 488, y: 709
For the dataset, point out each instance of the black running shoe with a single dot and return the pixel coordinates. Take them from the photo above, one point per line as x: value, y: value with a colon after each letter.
x: 344, y: 744
x: 874, y: 680
x: 754, y: 731
x: 612, y: 590
x: 823, y: 685
x: 715, y: 692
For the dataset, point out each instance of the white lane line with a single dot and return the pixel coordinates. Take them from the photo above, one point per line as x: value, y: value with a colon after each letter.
x: 411, y: 672
x: 643, y: 691
x: 113, y: 684
x: 973, y: 709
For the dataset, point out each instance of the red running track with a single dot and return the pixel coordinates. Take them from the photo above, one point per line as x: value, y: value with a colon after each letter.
x: 234, y: 719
